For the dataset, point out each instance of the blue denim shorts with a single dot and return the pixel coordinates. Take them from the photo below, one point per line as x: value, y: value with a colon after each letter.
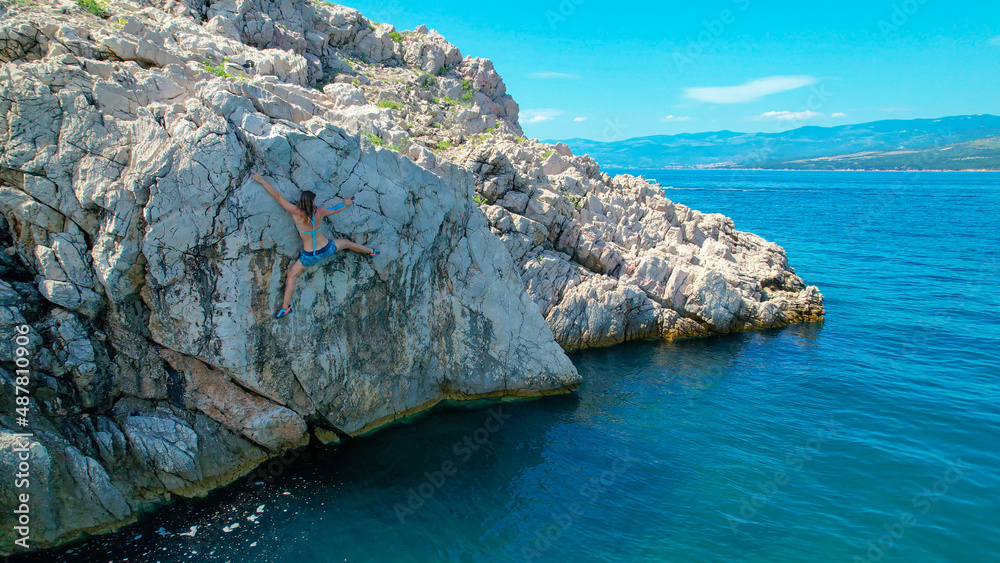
x: 309, y: 259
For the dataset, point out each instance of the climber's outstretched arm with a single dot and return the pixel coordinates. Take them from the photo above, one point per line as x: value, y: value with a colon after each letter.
x: 289, y: 207
x: 336, y: 208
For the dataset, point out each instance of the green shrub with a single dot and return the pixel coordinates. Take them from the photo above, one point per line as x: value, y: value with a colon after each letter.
x: 466, y: 84
x: 389, y: 104
x: 426, y: 80
x: 444, y: 71
x: 355, y: 61
x: 97, y: 7
x: 380, y: 142
x: 219, y: 69
x: 443, y: 145
x: 480, y: 200
x: 451, y: 101
x: 328, y: 78
x: 468, y: 96
x: 547, y: 155
x: 396, y: 36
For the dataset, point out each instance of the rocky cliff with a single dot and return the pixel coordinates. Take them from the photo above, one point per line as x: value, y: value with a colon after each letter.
x: 146, y: 265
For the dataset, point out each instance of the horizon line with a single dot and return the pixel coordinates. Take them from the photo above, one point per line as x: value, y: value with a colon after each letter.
x: 768, y: 133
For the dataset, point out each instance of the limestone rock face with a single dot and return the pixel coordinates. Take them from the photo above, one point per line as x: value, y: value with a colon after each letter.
x: 605, y: 259
x: 147, y: 264
x: 612, y: 259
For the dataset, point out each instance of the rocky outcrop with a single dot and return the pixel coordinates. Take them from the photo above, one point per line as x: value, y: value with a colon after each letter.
x: 612, y: 259
x: 146, y: 265
x: 605, y: 259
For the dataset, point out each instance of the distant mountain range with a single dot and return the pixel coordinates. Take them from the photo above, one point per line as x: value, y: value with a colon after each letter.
x: 981, y: 154
x: 969, y: 142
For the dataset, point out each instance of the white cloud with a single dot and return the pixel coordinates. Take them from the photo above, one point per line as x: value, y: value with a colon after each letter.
x: 749, y: 91
x: 838, y: 115
x: 580, y: 119
x: 670, y: 118
x: 788, y: 115
x: 541, y: 115
x: 554, y: 76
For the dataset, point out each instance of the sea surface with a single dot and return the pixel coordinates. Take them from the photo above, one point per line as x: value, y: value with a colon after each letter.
x: 874, y: 436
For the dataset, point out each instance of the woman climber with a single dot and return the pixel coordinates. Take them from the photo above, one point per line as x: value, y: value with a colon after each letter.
x: 315, y: 246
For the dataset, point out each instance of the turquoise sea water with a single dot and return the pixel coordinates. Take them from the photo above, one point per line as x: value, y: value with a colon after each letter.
x: 874, y: 436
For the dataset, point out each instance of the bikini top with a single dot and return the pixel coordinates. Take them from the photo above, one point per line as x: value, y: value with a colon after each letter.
x: 313, y: 232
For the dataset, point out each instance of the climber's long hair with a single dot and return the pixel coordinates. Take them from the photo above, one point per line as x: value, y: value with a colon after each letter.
x: 307, y: 204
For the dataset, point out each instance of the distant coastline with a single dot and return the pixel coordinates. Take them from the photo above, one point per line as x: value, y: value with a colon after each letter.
x: 959, y: 143
x: 717, y: 168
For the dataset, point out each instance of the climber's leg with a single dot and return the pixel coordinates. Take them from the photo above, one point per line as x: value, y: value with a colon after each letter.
x: 344, y: 244
x: 290, y: 280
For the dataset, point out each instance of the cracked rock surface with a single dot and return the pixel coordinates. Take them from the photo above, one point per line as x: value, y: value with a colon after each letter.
x: 148, y: 265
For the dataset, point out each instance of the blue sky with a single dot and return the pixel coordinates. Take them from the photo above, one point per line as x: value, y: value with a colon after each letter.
x: 609, y: 71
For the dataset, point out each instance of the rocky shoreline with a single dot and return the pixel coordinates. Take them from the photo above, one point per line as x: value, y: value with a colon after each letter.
x: 144, y: 264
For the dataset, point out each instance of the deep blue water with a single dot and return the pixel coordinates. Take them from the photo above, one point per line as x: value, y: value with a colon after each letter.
x: 874, y: 436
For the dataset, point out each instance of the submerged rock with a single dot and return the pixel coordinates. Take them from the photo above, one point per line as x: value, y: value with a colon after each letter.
x: 148, y: 265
